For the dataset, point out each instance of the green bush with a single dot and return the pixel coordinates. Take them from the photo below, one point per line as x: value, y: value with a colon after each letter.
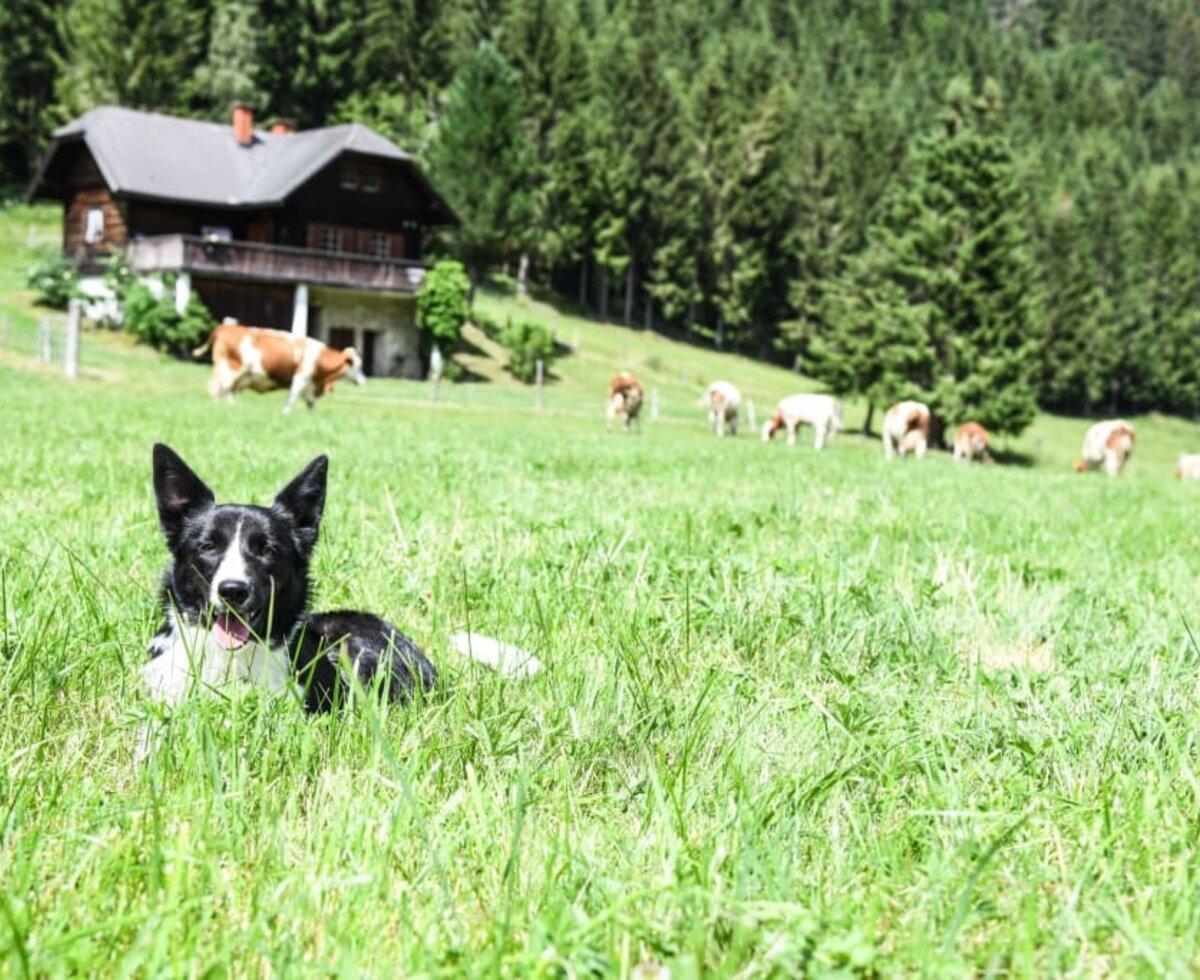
x: 443, y: 304
x: 527, y: 343
x: 56, y: 281
x: 156, y: 322
x: 503, y: 283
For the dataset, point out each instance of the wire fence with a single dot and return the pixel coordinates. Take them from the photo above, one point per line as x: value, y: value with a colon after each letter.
x: 52, y: 339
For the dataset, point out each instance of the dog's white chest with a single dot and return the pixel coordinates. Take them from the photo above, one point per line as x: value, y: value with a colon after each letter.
x: 191, y: 661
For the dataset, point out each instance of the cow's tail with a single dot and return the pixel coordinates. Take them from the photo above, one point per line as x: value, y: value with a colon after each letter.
x: 205, y: 347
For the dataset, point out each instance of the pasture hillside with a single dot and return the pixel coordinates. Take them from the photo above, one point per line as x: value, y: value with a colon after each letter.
x: 801, y: 713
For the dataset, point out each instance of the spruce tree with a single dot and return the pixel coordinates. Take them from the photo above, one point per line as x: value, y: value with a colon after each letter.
x: 953, y: 244
x: 27, y: 71
x: 481, y: 160
x: 138, y: 53
x: 230, y: 71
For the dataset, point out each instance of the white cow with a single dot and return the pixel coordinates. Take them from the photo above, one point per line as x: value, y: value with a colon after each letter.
x: 723, y: 401
x: 1189, y: 467
x: 822, y: 412
x: 906, y: 429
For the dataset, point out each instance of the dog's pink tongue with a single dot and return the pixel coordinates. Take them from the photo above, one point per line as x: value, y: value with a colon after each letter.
x: 230, y: 631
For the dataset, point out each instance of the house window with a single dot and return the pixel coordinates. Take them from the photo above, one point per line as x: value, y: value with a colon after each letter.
x: 93, y: 226
x: 380, y: 245
x: 329, y: 239
x: 350, y: 178
x: 370, y: 181
x: 216, y: 233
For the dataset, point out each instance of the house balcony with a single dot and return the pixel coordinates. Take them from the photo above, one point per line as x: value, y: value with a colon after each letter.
x: 279, y: 264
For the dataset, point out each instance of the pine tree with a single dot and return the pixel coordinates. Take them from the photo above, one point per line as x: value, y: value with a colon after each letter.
x: 481, y: 160
x: 230, y: 71
x: 953, y: 242
x: 307, y: 51
x: 29, y: 28
x: 139, y: 53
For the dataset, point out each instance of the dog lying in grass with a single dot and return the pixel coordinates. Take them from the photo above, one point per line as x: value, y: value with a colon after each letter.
x: 235, y: 600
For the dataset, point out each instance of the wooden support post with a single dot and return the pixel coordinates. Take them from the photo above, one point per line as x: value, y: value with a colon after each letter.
x: 541, y: 377
x: 71, y: 347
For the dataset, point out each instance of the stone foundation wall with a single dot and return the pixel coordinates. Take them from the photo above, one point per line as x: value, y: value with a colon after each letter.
x: 391, y: 318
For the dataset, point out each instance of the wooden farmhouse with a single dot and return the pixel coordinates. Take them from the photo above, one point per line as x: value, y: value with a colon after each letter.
x: 316, y: 232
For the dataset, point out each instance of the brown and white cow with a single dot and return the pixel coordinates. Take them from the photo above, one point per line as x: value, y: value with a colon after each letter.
x: 723, y: 401
x: 1189, y: 467
x: 625, y: 397
x: 906, y: 429
x: 1108, y: 446
x: 259, y: 359
x: 972, y: 441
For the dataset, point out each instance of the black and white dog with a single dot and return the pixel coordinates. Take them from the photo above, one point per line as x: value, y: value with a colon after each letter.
x: 236, y: 593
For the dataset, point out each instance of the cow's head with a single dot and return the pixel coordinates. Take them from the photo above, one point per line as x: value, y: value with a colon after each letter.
x: 354, y: 369
x: 772, y: 425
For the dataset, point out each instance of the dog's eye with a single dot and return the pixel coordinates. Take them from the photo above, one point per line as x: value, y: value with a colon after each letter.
x: 259, y: 548
x: 213, y: 549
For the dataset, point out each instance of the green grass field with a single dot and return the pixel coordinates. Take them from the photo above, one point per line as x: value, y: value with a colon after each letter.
x: 801, y: 713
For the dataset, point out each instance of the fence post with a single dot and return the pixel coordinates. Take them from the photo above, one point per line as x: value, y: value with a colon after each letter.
x: 540, y: 378
x: 43, y: 342
x: 436, y: 366
x: 653, y: 404
x: 71, y: 347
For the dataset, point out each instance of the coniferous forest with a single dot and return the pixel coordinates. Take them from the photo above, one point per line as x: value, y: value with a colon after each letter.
x: 992, y: 204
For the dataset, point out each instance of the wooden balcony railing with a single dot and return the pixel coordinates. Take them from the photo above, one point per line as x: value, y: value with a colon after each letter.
x: 271, y: 263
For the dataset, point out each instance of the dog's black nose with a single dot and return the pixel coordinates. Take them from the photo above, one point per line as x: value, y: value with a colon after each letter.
x: 234, y: 591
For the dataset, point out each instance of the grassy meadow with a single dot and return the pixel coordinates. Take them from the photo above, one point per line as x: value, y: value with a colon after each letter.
x: 801, y: 713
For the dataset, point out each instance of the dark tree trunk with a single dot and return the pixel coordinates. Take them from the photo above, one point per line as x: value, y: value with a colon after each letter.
x: 869, y: 419
x: 602, y: 292
x: 583, y: 282
x: 629, y: 276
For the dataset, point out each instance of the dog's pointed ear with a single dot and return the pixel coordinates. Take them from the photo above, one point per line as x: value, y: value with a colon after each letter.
x: 302, y: 502
x: 178, y: 492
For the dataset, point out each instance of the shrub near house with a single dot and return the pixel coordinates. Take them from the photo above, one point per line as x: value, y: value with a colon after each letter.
x: 527, y: 344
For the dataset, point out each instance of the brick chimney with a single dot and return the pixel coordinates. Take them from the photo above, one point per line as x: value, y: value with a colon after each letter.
x: 281, y: 127
x: 243, y: 122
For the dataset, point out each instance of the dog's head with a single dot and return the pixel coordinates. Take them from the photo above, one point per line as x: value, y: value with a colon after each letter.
x: 238, y: 569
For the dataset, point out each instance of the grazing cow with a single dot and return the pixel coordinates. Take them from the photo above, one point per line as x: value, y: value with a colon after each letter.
x: 971, y: 441
x: 1107, y: 445
x: 1189, y: 467
x: 723, y: 401
x: 262, y: 360
x: 906, y: 429
x: 820, y: 411
x: 625, y: 397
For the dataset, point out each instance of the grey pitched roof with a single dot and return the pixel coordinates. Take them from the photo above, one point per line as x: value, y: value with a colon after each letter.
x: 153, y: 155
